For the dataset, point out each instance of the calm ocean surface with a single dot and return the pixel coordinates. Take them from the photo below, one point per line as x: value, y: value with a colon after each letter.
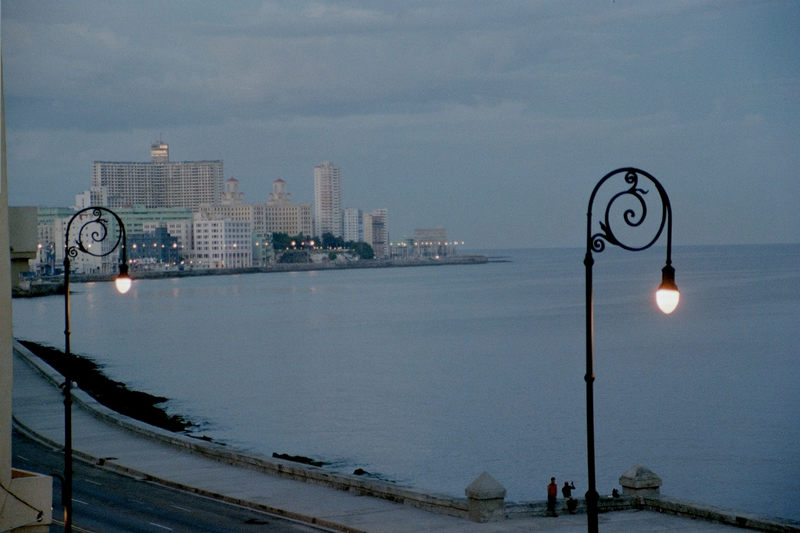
x: 429, y: 376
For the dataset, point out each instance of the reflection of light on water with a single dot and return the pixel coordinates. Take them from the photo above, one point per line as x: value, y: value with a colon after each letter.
x: 432, y: 375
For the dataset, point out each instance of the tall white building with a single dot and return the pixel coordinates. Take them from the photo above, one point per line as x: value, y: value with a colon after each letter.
x: 327, y: 199
x: 158, y: 183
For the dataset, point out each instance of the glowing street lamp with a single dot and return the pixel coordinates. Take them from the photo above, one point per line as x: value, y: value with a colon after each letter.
x: 667, y: 295
x: 94, y: 229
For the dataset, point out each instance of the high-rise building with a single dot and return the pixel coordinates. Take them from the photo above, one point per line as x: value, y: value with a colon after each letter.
x: 159, y: 183
x: 327, y: 199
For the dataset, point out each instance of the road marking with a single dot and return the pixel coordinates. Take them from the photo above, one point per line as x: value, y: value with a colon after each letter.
x: 93, y: 482
x: 76, y: 500
x: 181, y: 508
x: 74, y: 527
x: 162, y: 527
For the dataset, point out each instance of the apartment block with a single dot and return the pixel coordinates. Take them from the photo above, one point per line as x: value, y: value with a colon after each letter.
x: 158, y: 183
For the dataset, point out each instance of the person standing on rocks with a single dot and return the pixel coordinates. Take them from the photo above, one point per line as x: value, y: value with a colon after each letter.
x: 566, y: 490
x: 552, y: 495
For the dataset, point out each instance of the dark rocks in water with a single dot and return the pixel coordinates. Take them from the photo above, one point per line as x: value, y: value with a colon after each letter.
x: 361, y: 472
x: 113, y: 394
x: 297, y: 459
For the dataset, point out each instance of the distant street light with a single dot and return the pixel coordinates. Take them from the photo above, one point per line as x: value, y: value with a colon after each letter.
x: 634, y: 214
x: 94, y: 229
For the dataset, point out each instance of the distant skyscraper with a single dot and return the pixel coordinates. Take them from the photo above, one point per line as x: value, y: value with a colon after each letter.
x: 159, y: 183
x: 327, y: 200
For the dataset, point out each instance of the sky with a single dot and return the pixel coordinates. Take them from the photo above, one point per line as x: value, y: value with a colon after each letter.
x: 493, y: 119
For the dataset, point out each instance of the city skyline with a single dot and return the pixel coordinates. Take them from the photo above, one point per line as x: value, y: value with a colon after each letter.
x: 200, y: 186
x: 493, y: 120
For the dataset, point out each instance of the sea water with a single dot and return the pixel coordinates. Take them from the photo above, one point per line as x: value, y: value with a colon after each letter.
x: 429, y: 376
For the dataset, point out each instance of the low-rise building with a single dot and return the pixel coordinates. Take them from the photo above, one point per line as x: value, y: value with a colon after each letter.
x: 221, y: 243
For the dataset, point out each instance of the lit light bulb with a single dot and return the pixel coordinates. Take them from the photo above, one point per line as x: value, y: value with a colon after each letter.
x: 123, y: 282
x: 667, y: 295
x: 667, y: 300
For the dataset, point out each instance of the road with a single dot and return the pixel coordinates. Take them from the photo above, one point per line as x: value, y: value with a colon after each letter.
x: 107, y: 502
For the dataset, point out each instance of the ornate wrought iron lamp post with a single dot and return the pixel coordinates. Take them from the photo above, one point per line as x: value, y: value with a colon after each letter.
x: 94, y: 229
x: 667, y: 295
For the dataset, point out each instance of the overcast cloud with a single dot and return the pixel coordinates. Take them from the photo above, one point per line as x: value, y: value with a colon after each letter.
x: 493, y: 119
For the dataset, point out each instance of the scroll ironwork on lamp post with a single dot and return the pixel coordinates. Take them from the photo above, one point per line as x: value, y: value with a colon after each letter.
x: 96, y: 236
x: 630, y: 203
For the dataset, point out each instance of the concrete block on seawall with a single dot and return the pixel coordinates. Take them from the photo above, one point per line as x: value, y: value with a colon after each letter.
x: 486, y: 499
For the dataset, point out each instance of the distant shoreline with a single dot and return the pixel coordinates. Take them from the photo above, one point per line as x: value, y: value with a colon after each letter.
x: 50, y: 286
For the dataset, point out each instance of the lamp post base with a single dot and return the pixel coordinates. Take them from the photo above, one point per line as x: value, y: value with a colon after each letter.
x: 592, y: 499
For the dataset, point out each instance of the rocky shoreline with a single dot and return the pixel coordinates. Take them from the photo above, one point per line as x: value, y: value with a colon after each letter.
x: 112, y: 394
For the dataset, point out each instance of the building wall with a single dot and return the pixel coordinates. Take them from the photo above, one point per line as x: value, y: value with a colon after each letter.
x: 222, y: 243
x: 6, y: 333
x: 36, y: 489
x: 289, y: 219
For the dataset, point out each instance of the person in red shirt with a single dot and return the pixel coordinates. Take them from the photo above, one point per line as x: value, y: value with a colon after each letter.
x: 552, y: 495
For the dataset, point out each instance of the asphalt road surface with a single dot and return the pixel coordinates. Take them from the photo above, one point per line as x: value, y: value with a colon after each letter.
x: 107, y: 502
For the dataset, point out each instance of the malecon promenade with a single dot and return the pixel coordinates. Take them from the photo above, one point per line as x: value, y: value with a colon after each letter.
x: 309, y: 494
